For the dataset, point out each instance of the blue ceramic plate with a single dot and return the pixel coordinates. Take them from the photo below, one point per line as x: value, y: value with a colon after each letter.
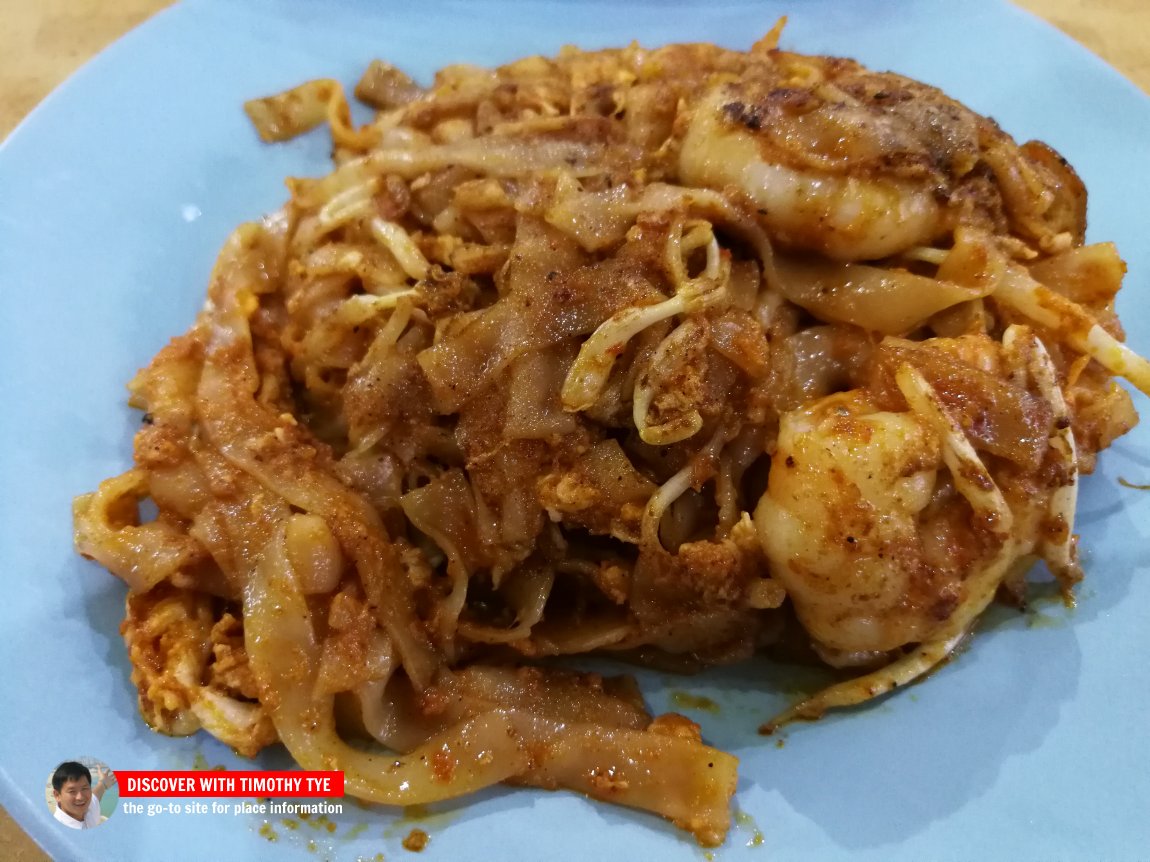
x: 114, y: 198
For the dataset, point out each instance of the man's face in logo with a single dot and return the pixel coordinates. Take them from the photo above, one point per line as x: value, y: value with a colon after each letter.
x: 74, y: 796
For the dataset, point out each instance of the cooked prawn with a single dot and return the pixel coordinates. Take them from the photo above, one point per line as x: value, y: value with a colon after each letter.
x: 859, y: 165
x: 890, y: 533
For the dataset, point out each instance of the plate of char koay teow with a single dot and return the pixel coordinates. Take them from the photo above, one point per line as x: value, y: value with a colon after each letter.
x: 662, y: 431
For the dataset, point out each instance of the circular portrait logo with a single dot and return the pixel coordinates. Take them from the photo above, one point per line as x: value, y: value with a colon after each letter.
x: 82, y: 793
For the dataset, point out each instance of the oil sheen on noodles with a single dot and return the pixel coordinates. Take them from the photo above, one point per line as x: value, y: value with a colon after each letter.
x: 671, y: 355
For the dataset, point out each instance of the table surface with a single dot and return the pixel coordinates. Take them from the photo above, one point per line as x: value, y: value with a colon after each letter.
x: 42, y: 43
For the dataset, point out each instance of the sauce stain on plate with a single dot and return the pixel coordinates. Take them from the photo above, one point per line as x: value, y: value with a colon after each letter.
x: 686, y: 700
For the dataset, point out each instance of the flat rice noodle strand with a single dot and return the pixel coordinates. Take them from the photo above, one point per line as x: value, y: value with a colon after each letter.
x: 692, y: 785
x: 889, y: 301
x: 252, y: 439
x: 285, y: 655
x: 675, y: 776
x: 998, y: 416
